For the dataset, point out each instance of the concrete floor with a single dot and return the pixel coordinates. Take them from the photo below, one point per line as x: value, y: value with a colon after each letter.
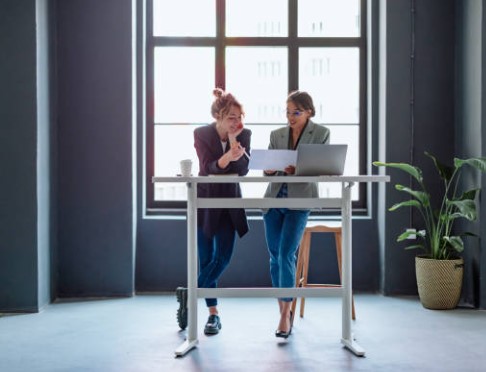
x: 141, y: 333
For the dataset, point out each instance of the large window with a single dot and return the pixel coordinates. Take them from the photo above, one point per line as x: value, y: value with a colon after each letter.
x: 259, y: 51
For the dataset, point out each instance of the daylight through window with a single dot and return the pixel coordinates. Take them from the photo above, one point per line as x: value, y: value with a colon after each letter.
x: 196, y: 45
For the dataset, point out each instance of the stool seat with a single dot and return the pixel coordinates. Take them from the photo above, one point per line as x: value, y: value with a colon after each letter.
x: 302, y: 269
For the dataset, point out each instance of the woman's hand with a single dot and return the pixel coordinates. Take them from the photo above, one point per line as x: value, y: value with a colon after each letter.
x: 290, y: 169
x: 235, y: 133
x: 233, y: 154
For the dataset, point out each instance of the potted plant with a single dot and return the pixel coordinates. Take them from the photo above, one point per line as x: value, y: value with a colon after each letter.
x: 439, y: 269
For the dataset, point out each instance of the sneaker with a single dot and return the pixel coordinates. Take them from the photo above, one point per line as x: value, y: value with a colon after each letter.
x: 213, y: 325
x: 181, y: 294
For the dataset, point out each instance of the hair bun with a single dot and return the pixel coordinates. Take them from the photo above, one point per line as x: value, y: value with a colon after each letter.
x: 218, y: 92
x: 222, y: 103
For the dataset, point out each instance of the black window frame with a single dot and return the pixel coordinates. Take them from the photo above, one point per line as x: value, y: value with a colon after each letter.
x: 220, y: 42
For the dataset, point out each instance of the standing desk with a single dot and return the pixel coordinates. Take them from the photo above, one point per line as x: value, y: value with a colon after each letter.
x: 344, y: 203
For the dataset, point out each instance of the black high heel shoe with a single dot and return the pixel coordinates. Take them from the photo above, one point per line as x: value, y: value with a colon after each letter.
x: 285, y: 334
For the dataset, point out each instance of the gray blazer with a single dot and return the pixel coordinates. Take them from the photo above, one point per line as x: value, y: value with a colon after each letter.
x: 279, y: 139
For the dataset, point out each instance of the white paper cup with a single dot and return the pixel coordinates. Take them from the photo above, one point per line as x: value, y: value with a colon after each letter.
x: 186, y: 168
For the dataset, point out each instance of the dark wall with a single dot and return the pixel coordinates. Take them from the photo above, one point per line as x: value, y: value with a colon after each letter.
x: 470, y: 135
x: 18, y: 157
x: 418, y: 114
x: 162, y: 257
x: 94, y: 85
x: 45, y: 166
x: 482, y: 211
x: 395, y: 93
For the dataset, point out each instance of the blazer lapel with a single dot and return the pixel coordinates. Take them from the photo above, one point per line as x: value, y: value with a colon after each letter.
x: 284, y: 138
x: 217, y: 147
x: 307, y: 135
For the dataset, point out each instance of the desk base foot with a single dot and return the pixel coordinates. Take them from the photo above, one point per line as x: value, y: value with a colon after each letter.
x: 185, y: 347
x: 354, y: 347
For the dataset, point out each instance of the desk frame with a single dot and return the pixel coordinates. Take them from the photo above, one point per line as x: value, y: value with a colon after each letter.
x: 193, y: 203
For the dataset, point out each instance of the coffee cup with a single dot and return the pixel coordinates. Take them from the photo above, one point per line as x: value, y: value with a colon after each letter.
x: 186, y: 168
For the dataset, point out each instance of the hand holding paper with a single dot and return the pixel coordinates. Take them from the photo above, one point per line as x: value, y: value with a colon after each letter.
x: 272, y: 159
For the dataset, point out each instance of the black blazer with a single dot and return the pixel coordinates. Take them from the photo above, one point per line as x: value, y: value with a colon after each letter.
x: 209, y: 150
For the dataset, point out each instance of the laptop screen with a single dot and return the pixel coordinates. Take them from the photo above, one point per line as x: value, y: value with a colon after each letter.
x: 320, y: 159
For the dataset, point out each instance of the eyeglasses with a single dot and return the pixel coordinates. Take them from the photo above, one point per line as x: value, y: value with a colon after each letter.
x: 296, y: 113
x: 235, y: 118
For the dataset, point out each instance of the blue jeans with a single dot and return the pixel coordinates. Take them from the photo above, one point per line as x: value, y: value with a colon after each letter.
x: 283, y: 230
x: 214, y: 255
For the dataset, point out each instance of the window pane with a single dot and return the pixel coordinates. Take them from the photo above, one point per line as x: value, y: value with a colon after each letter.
x: 256, y: 18
x: 179, y: 81
x: 257, y: 76
x: 172, y: 144
x: 184, y: 18
x: 329, y: 18
x: 331, y: 76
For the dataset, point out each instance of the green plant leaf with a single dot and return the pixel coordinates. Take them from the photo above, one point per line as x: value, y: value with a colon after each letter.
x: 456, y: 242
x: 445, y: 171
x: 478, y: 163
x: 407, y: 203
x: 439, y: 222
x: 421, y: 233
x: 465, y: 208
x: 421, y: 196
x: 470, y: 194
x: 415, y: 246
x: 404, y: 236
x: 410, y: 169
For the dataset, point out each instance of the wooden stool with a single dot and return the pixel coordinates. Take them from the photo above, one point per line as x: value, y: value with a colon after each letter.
x: 302, y: 269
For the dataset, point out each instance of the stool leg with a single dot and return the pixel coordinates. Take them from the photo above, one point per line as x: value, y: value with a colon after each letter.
x: 338, y: 238
x: 298, y: 276
x: 305, y: 267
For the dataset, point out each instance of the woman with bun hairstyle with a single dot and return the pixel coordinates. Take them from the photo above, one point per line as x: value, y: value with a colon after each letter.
x: 220, y: 148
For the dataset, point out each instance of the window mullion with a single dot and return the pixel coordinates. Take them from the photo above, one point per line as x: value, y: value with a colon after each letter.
x: 149, y: 147
x: 293, y: 48
x: 363, y: 86
x: 220, y: 73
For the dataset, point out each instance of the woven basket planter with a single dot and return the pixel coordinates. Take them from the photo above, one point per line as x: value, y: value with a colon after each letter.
x: 439, y: 282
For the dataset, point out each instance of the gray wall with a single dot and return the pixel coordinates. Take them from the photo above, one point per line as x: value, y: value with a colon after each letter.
x: 161, y: 257
x: 418, y: 114
x: 25, y: 164
x: 45, y: 175
x: 68, y: 205
x: 395, y: 75
x: 445, y: 118
x: 470, y: 132
x: 95, y: 169
x: 481, y: 265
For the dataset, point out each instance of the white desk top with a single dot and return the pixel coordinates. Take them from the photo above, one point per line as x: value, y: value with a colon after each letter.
x: 287, y: 179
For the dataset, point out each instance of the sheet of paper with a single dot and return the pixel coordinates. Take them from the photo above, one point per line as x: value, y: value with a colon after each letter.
x: 272, y: 159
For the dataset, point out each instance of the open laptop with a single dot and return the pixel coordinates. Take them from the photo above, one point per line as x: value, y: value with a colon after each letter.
x: 319, y: 159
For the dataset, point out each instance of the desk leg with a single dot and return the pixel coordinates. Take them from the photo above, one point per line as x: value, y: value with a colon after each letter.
x: 347, y: 280
x: 191, y: 340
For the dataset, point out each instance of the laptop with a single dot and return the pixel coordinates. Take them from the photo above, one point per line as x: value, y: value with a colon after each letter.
x: 320, y: 159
